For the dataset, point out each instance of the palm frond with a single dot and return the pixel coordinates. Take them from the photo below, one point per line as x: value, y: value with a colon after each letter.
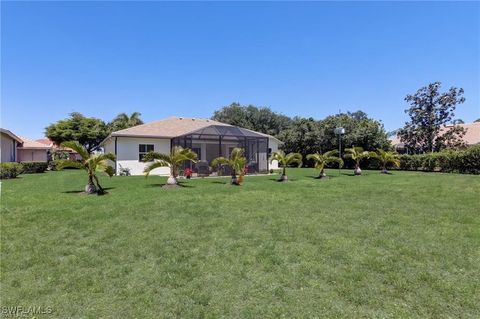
x: 220, y: 161
x: 151, y: 156
x: 154, y: 165
x: 294, y: 158
x: 77, y: 147
x: 69, y: 164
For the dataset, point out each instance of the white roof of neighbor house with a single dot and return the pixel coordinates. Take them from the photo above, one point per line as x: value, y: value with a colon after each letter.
x: 173, y: 127
x: 471, y: 137
x: 9, y: 133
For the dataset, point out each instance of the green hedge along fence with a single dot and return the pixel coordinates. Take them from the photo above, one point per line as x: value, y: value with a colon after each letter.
x: 466, y: 161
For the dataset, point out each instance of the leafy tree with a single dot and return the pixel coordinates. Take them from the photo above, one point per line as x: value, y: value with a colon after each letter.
x: 458, y: 121
x: 304, y: 136
x: 260, y: 119
x: 360, y: 130
x: 430, y: 111
x: 386, y: 158
x: 88, y: 131
x: 321, y: 160
x: 285, y: 160
x: 174, y: 160
x: 236, y: 162
x: 123, y: 121
x: 476, y: 121
x: 357, y: 154
x: 91, y: 164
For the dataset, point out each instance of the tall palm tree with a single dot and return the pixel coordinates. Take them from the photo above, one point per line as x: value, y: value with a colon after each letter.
x: 286, y: 160
x: 357, y: 154
x: 386, y: 159
x: 323, y: 159
x: 236, y: 162
x: 123, y: 121
x: 91, y: 164
x: 177, y: 156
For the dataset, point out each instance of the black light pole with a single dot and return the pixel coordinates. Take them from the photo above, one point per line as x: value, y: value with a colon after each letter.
x: 339, y: 131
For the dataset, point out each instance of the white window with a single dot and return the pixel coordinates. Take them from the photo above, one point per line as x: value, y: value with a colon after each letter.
x: 144, y: 149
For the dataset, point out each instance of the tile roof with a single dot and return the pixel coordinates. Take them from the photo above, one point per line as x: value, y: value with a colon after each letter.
x: 27, y: 143
x: 471, y: 137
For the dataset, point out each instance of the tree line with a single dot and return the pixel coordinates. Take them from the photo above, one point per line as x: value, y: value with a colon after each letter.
x: 429, y: 110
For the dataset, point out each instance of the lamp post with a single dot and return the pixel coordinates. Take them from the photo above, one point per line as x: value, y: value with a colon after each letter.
x: 339, y: 131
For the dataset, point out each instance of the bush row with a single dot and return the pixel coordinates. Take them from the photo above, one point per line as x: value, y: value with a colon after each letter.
x: 10, y: 170
x: 34, y: 167
x: 466, y: 161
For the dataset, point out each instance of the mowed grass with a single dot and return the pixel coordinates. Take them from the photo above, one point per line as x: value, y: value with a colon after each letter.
x: 405, y: 245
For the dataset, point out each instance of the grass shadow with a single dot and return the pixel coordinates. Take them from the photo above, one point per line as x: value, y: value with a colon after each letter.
x: 161, y: 185
x: 83, y: 191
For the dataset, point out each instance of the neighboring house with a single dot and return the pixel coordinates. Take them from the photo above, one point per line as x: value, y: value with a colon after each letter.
x: 471, y: 137
x: 32, y: 151
x: 72, y: 155
x: 208, y: 138
x: 8, y: 145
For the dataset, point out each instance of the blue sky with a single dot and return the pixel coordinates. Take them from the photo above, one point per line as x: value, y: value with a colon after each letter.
x: 191, y: 58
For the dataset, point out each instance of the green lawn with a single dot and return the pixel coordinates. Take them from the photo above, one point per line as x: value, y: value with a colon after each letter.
x: 406, y: 245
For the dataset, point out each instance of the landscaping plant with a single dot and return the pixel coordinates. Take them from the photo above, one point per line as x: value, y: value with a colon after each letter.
x: 386, y: 159
x: 236, y: 162
x: 286, y: 160
x: 91, y: 164
x: 174, y: 160
x: 324, y: 159
x: 357, y: 154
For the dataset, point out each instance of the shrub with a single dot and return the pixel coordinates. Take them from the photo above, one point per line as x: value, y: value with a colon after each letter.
x: 10, y: 170
x: 52, y: 165
x: 34, y: 167
x: 449, y: 161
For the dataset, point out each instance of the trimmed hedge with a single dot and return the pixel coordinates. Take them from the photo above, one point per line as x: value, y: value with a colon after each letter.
x: 466, y: 161
x: 10, y: 170
x: 34, y: 167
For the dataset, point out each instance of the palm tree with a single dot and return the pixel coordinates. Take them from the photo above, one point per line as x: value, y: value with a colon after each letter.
x: 357, y: 154
x: 123, y: 121
x: 323, y: 159
x: 236, y: 162
x: 286, y: 160
x: 91, y: 164
x: 387, y: 158
x: 177, y: 156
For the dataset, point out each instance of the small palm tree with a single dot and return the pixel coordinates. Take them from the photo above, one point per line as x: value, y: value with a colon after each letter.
x: 386, y: 159
x: 323, y: 159
x: 357, y: 154
x: 177, y: 156
x: 236, y: 162
x: 286, y: 160
x: 91, y: 164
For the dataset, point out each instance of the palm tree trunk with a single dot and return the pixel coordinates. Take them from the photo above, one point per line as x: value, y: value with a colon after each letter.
x: 357, y: 171
x: 384, y: 169
x: 100, y: 191
x: 322, y: 173
x: 90, y: 187
x: 284, y: 177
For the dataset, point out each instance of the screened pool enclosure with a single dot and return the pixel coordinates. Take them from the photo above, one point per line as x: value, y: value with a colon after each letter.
x: 219, y: 140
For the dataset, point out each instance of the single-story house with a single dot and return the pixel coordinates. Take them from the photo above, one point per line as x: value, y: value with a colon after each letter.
x: 471, y: 137
x: 20, y: 149
x: 32, y: 151
x: 208, y: 138
x: 8, y: 145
